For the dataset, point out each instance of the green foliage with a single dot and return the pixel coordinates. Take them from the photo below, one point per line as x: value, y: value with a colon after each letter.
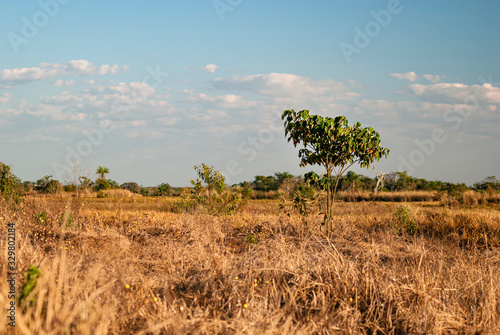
x: 187, y: 202
x: 41, y: 217
x: 30, y: 276
x: 403, y: 221
x: 102, y: 171
x: 101, y: 184
x: 263, y: 183
x: 245, y: 188
x: 251, y: 239
x: 69, y: 188
x: 10, y: 185
x: 333, y: 144
x: 225, y: 203
x: 164, y: 190
x: 48, y: 185
x: 490, y: 183
x: 208, y: 178
x: 210, y: 192
x: 113, y: 184
x: 67, y: 218
x: 302, y: 199
x: 132, y: 187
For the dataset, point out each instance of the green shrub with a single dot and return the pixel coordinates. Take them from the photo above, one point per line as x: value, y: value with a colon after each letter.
x: 31, y: 275
x: 10, y: 185
x: 403, y: 221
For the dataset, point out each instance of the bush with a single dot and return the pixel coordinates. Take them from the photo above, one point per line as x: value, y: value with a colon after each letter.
x: 164, y: 190
x: 101, y: 184
x: 403, y: 221
x: 48, y: 185
x: 133, y: 187
x: 10, y: 185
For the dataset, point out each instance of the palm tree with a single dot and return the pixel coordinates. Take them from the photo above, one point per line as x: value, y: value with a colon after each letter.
x: 102, y: 171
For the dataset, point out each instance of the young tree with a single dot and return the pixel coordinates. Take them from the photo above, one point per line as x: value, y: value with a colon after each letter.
x: 333, y: 144
x: 208, y: 177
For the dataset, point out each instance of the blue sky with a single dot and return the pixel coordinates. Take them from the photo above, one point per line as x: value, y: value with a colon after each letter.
x: 150, y: 89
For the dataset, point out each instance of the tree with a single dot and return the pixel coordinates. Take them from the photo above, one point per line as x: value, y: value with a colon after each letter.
x: 10, y: 185
x: 208, y: 177
x: 132, y: 187
x: 164, y: 189
x: 102, y: 171
x: 48, y: 185
x: 333, y: 144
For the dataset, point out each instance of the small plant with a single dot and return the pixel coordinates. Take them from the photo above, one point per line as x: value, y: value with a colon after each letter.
x: 41, y: 217
x: 403, y: 221
x: 211, y: 193
x: 68, y: 218
x: 31, y: 275
x: 250, y: 239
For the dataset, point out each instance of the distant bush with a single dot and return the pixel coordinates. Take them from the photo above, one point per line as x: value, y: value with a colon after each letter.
x: 132, y: 187
x: 164, y: 190
x: 48, y: 185
x: 101, y: 184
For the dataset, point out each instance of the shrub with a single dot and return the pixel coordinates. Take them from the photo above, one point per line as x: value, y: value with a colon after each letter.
x: 164, y: 190
x: 101, y: 184
x: 211, y: 194
x: 133, y: 187
x: 10, y: 185
x: 403, y: 221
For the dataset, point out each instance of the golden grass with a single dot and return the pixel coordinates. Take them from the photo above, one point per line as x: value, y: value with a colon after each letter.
x: 131, y: 266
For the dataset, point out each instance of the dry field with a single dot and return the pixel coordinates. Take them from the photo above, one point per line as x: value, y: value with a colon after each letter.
x: 132, y: 265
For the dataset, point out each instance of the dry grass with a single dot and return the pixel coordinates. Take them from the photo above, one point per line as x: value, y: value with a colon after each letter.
x: 131, y: 266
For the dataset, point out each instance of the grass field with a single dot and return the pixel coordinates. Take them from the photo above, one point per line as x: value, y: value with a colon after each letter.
x: 132, y: 265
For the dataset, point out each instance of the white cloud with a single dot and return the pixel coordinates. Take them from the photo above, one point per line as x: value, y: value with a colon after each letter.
x: 288, y: 85
x: 4, y: 98
x: 55, y: 70
x: 60, y: 83
x: 457, y: 93
x: 412, y: 76
x: 168, y: 121
x: 431, y: 77
x: 210, y: 68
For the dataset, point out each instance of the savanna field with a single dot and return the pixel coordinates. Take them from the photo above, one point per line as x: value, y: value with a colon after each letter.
x: 121, y: 263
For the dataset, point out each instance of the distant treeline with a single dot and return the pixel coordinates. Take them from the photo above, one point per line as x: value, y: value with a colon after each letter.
x: 260, y: 188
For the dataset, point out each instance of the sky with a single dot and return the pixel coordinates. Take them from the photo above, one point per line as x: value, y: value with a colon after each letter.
x: 150, y: 89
